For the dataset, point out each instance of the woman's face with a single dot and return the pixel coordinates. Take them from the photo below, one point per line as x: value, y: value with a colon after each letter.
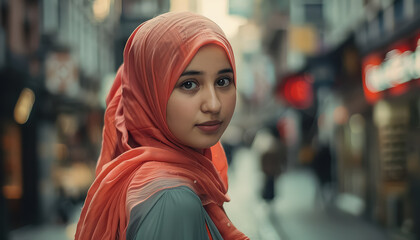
x: 202, y: 102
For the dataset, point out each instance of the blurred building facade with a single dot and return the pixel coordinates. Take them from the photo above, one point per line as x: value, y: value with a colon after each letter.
x: 347, y: 74
x: 54, y: 56
x: 134, y: 12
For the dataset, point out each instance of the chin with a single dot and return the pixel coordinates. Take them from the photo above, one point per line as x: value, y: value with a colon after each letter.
x: 204, y: 145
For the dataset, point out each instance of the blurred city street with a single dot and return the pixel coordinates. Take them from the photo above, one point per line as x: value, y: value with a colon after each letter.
x: 323, y: 143
x: 48, y: 230
x: 298, y: 212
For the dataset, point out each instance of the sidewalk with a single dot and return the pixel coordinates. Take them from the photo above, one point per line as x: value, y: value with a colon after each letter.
x: 300, y: 213
x: 297, y: 213
x: 48, y: 231
x: 247, y: 210
x: 44, y: 232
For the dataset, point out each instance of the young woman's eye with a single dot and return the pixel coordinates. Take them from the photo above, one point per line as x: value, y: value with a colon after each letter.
x: 188, y: 85
x: 223, y: 82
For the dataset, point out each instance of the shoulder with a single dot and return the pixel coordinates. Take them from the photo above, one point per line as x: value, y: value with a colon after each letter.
x: 176, y: 202
x: 179, y: 199
x: 174, y: 213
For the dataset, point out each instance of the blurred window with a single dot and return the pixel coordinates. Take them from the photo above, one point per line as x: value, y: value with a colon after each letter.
x: 50, y: 18
x: 133, y: 9
x: 2, y: 48
x: 313, y: 13
x: 398, y: 11
x: 381, y: 23
x: 241, y: 8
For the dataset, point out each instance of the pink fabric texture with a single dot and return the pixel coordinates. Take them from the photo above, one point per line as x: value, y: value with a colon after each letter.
x: 139, y: 154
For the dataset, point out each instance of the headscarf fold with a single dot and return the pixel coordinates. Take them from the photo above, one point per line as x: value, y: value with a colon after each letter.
x: 139, y: 155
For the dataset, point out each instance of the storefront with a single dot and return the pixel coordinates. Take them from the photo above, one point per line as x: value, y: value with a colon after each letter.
x: 51, y: 118
x: 391, y: 85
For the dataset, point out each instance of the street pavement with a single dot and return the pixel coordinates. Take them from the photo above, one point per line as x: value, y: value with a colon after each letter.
x: 247, y: 210
x: 300, y: 211
x: 48, y: 231
x: 297, y: 212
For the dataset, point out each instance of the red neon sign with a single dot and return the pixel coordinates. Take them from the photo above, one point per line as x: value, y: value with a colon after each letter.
x: 391, y: 74
x: 297, y: 91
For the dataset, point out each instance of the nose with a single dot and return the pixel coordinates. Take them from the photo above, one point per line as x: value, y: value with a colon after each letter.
x: 211, y: 102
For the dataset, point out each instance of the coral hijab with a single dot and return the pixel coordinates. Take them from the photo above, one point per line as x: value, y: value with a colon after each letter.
x: 139, y: 155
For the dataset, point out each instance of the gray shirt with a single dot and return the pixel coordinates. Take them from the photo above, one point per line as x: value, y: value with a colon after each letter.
x: 175, y: 213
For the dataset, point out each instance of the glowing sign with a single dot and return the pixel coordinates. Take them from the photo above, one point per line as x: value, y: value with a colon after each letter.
x: 396, y: 69
x: 297, y: 91
x: 400, y: 66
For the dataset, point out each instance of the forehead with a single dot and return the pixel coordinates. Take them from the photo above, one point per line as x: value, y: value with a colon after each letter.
x: 209, y: 56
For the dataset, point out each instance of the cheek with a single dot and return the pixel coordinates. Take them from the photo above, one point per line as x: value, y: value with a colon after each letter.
x: 230, y: 103
x: 178, y: 114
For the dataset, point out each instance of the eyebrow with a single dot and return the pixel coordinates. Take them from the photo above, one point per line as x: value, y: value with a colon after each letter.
x: 188, y: 73
x: 227, y: 70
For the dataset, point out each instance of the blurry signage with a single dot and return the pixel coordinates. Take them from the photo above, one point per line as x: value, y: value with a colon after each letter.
x: 297, y: 91
x: 393, y: 72
x: 62, y: 74
x: 303, y: 39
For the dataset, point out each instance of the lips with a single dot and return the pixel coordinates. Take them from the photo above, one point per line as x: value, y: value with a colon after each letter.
x: 210, y: 126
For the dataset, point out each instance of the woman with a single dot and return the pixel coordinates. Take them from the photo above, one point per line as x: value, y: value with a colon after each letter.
x: 162, y: 174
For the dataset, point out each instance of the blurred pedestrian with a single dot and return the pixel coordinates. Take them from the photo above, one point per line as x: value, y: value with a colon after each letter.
x: 273, y: 163
x: 162, y: 173
x: 272, y: 151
